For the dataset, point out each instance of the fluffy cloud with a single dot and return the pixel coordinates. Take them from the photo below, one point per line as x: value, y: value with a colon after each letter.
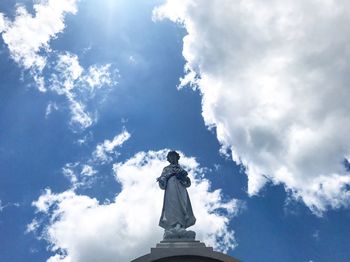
x: 3, y: 22
x: 80, y: 228
x: 27, y: 35
x: 274, y: 82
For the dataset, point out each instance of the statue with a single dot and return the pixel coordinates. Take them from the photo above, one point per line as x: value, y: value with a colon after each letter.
x: 177, y: 214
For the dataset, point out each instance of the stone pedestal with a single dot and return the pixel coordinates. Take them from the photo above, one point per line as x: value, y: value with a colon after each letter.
x: 184, y: 251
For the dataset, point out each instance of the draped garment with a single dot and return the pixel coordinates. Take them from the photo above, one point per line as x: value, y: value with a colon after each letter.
x: 177, y: 207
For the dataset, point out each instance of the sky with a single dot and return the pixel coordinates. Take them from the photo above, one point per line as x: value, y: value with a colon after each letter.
x: 252, y: 94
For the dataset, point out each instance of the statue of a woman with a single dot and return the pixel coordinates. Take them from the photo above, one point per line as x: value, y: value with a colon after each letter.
x: 177, y: 214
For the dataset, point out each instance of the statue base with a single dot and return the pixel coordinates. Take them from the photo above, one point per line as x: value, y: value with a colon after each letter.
x: 179, y: 234
x: 184, y: 250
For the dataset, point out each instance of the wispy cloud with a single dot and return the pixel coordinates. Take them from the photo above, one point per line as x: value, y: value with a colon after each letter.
x: 316, y: 235
x: 82, y: 173
x: 78, y: 85
x: 28, y: 39
x: 104, y: 150
x: 51, y: 106
x: 88, y: 171
x: 3, y: 206
x: 121, y: 220
x: 79, y: 174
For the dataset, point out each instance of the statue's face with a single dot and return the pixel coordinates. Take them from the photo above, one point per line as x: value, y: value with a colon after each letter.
x: 172, y: 159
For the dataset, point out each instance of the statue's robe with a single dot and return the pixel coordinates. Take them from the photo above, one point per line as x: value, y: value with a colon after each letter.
x: 177, y: 207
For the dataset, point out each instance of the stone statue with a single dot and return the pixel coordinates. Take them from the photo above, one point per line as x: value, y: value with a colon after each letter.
x: 177, y: 214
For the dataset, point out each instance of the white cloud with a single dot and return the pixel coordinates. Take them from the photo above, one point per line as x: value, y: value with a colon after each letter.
x: 98, y: 76
x: 69, y: 171
x: 80, y: 228
x: 316, y: 235
x: 85, y: 139
x: 3, y: 22
x: 69, y: 71
x: 27, y: 35
x: 79, y: 117
x: 52, y: 106
x: 104, y: 150
x: 3, y: 206
x: 64, y: 82
x: 78, y: 85
x: 88, y: 170
x: 82, y: 174
x: 132, y: 60
x: 28, y: 40
x: 274, y: 82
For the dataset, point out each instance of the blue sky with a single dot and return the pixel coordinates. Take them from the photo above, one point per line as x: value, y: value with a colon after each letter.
x: 253, y: 95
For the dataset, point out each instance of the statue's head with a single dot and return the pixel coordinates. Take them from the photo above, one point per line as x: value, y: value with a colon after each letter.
x: 173, y: 157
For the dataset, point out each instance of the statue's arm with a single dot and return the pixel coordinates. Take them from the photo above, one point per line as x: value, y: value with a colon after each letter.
x: 184, y: 179
x: 163, y: 179
x: 166, y: 173
x: 182, y: 174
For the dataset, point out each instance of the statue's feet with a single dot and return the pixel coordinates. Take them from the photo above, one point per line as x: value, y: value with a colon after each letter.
x: 179, y: 233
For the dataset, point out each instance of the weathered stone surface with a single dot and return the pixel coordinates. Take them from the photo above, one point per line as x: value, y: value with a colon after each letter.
x: 177, y: 210
x: 184, y: 251
x: 179, y: 234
